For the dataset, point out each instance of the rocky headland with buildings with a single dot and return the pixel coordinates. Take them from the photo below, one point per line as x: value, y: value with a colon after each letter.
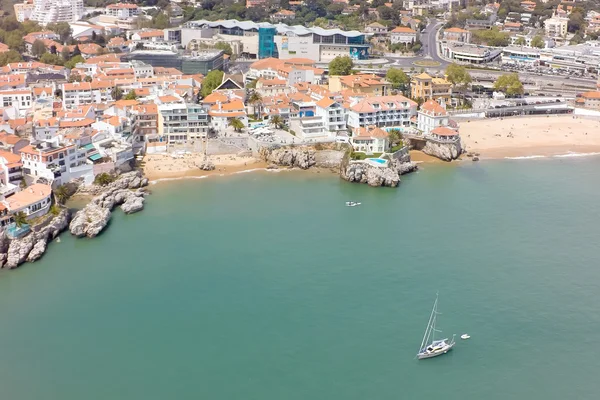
x: 337, y: 158
x: 128, y: 191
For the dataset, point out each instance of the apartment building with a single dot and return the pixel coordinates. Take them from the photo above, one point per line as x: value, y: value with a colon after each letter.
x: 122, y: 10
x: 425, y: 86
x: 222, y: 113
x: 144, y: 125
x: 179, y: 121
x: 23, y: 10
x: 382, y: 111
x: 78, y: 93
x: 20, y: 99
x: 556, y: 27
x: 51, y: 11
x: 333, y: 115
x: 11, y: 168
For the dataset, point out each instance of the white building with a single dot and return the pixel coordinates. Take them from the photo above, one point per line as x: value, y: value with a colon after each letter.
x: 23, y: 10
x: 332, y: 114
x: 21, y: 99
x: 50, y: 11
x: 382, y: 111
x: 179, y: 121
x: 122, y: 10
x: 556, y: 26
x: 34, y: 201
x: 370, y: 140
x: 430, y: 116
x: 309, y: 128
x: 56, y: 163
x: 403, y: 34
x: 77, y: 93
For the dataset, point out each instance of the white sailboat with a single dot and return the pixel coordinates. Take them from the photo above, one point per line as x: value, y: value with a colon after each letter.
x: 430, y: 347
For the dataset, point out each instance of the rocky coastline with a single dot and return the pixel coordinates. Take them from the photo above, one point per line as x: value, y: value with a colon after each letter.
x: 128, y: 191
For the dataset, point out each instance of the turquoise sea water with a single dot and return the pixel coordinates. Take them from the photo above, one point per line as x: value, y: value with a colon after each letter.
x: 265, y: 286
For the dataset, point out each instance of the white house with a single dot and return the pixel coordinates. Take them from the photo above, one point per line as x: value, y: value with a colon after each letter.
x: 382, y: 111
x: 370, y: 140
x: 430, y: 116
x: 332, y: 113
x: 403, y: 34
x: 34, y: 201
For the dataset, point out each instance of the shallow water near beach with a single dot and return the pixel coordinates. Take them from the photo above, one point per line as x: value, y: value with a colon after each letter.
x: 265, y: 286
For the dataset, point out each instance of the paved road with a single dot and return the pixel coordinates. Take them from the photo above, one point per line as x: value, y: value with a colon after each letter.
x: 428, y: 38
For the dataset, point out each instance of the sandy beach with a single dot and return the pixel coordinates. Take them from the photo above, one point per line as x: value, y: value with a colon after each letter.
x: 531, y: 136
x: 160, y: 166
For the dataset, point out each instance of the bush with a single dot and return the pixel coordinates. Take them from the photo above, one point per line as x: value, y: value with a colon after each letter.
x: 54, y: 210
x: 397, y: 147
x: 104, y: 179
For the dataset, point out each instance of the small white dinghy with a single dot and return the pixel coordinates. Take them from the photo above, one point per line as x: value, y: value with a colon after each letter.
x: 465, y: 336
x: 352, y: 204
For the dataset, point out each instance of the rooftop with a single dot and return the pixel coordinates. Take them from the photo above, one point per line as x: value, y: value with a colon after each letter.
x: 30, y: 195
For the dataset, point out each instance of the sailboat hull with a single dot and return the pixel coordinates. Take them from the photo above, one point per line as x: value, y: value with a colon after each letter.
x: 437, y: 352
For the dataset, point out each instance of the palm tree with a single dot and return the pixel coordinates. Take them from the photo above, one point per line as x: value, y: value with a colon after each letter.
x: 61, y: 194
x: 256, y: 99
x: 20, y: 218
x: 236, y: 124
x: 277, y: 121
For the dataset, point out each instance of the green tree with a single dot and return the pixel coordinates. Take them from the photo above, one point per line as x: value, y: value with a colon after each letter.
x: 226, y: 47
x: 9, y: 57
x: 20, y: 218
x: 341, y: 65
x: 61, y: 194
x: 131, y: 95
x: 65, y: 53
x: 160, y: 21
x: 103, y: 179
x: 520, y: 41
x: 397, y: 78
x: 87, y: 78
x: 76, y: 51
x: 116, y: 93
x: 74, y: 61
x: 211, y: 81
x: 38, y: 48
x: 236, y: 124
x: 509, y: 84
x: 538, y: 42
x: 277, y: 121
x: 458, y: 76
x: 53, y: 59
x: 256, y: 100
x: 74, y: 78
x: 62, y: 29
x: 395, y: 137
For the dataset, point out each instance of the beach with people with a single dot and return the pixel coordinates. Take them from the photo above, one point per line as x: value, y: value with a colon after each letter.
x: 161, y: 166
x: 533, y: 136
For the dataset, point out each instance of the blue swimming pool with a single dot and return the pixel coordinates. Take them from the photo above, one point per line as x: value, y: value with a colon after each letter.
x: 378, y: 160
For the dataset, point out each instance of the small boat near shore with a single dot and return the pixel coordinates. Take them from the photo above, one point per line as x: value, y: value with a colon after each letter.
x: 352, y: 204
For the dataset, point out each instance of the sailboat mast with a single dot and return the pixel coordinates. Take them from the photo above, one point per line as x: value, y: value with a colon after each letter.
x: 430, y: 324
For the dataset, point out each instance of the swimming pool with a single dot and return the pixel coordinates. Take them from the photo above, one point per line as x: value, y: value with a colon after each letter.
x: 378, y: 162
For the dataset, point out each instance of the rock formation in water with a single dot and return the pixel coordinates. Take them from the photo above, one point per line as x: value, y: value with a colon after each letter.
x: 94, y: 217
x: 443, y: 151
x: 33, y: 245
x: 362, y: 172
x: 296, y: 157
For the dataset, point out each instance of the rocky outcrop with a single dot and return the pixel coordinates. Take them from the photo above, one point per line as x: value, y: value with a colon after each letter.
x: 405, y: 167
x: 296, y: 157
x: 32, y: 246
x: 361, y: 172
x: 90, y: 221
x: 128, y: 180
x: 205, y: 165
x: 328, y: 158
x: 94, y: 217
x: 443, y: 151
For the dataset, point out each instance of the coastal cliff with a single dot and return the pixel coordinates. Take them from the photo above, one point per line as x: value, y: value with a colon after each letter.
x: 294, y: 157
x: 33, y: 245
x: 443, y: 151
x: 375, y: 176
x: 127, y: 191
